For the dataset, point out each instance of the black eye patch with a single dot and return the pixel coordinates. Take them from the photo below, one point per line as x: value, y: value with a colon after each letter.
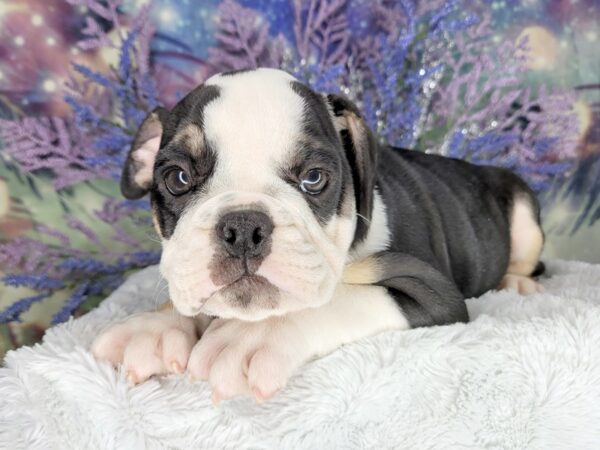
x: 322, y: 202
x: 196, y: 157
x: 170, y: 195
x: 321, y: 147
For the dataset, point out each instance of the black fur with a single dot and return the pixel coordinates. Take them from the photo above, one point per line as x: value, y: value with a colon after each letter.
x: 190, y: 110
x: 361, y: 153
x: 426, y: 296
x: 319, y: 149
x: 150, y: 127
x: 449, y: 222
x: 540, y: 268
x: 236, y: 72
x: 450, y: 214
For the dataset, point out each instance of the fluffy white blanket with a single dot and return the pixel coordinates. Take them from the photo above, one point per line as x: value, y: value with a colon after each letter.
x: 524, y: 374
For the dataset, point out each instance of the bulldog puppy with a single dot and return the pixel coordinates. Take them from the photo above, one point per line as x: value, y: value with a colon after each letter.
x: 288, y: 231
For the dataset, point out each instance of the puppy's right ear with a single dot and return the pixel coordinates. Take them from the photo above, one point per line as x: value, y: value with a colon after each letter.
x: 361, y: 150
x: 139, y: 165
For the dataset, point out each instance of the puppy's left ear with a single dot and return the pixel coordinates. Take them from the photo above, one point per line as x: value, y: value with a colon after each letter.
x: 139, y: 165
x: 361, y: 148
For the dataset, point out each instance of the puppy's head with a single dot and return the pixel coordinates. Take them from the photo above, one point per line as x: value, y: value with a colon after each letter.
x: 256, y: 183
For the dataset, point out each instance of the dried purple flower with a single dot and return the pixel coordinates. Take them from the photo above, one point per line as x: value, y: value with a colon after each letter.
x: 243, y: 40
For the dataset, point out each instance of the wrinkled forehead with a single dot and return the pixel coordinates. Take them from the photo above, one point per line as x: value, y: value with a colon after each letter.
x: 257, y: 118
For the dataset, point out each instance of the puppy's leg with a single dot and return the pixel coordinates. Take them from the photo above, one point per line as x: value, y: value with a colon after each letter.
x: 150, y: 343
x: 257, y: 358
x: 427, y: 296
x: 526, y: 241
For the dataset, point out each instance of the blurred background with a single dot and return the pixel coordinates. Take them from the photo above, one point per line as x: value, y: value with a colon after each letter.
x: 511, y: 83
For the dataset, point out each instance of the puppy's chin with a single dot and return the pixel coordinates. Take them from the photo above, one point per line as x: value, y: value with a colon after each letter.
x: 249, y: 298
x: 256, y: 297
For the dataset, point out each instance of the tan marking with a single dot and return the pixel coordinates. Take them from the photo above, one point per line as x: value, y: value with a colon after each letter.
x: 165, y: 306
x: 358, y: 132
x: 155, y: 222
x: 192, y: 138
x: 144, y: 160
x: 526, y: 241
x: 365, y: 271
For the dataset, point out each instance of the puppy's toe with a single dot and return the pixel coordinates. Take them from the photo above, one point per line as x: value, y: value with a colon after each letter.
x: 221, y: 357
x: 203, y: 355
x: 142, y: 358
x: 268, y: 372
x: 147, y: 344
x: 110, y: 344
x: 176, y: 348
x: 228, y: 373
x: 522, y: 284
x: 528, y: 286
x: 247, y: 358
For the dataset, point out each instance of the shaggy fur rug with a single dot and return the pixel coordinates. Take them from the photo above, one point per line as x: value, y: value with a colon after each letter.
x: 525, y: 373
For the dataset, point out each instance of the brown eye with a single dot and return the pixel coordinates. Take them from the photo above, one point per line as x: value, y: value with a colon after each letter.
x: 313, y: 181
x: 177, y: 181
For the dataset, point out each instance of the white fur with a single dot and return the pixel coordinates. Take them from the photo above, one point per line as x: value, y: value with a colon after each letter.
x: 304, y: 263
x: 147, y: 344
x: 240, y: 357
x: 378, y: 236
x: 254, y: 125
x: 523, y: 374
x: 257, y: 358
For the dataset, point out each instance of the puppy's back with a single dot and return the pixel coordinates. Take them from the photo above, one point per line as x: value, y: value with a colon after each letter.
x: 451, y: 214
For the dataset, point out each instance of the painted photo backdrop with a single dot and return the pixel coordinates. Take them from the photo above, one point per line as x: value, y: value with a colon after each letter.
x: 510, y: 83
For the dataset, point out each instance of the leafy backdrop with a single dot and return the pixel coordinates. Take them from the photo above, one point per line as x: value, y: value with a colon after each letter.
x: 503, y: 82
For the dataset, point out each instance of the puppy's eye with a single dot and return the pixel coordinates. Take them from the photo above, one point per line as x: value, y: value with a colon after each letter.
x: 177, y: 181
x: 313, y: 181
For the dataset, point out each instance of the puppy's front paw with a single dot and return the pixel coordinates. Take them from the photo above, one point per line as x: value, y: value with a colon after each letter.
x: 522, y: 284
x: 152, y: 343
x: 254, y: 358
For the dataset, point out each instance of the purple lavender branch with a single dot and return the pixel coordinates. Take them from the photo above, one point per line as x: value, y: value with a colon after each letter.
x: 321, y: 31
x: 243, y: 40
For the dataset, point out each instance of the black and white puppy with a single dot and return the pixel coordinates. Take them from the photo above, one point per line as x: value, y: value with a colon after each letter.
x: 287, y: 231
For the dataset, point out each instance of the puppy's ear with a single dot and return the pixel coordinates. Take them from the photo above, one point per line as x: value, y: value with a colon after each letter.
x: 361, y: 149
x: 139, y: 165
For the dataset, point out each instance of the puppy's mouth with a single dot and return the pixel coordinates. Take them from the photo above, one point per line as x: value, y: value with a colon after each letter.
x: 238, y: 282
x: 246, y: 283
x: 245, y: 292
x: 227, y: 271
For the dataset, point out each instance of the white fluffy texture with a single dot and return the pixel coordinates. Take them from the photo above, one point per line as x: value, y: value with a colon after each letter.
x: 524, y: 374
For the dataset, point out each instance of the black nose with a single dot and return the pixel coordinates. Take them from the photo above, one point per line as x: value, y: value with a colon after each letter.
x: 245, y: 234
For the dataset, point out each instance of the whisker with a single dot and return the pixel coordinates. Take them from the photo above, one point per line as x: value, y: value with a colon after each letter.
x: 363, y: 218
x: 152, y: 238
x: 158, y: 290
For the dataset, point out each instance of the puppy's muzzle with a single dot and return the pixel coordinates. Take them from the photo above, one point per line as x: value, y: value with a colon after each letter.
x: 245, y: 234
